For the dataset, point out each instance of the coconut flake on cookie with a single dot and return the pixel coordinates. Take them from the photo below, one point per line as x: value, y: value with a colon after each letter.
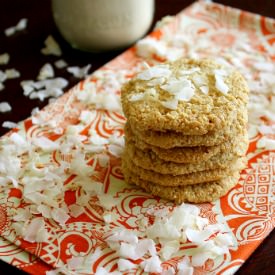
x: 155, y: 72
x: 182, y: 89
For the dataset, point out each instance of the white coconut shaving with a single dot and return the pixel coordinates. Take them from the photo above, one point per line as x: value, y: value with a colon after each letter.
x: 5, y: 107
x: 9, y: 124
x: 125, y: 265
x: 160, y: 71
x: 45, y: 72
x: 4, y: 58
x: 51, y: 47
x: 60, y: 64
x: 148, y: 47
x: 170, y: 104
x: 266, y: 143
x: 152, y: 264
x: 21, y: 25
x: 79, y: 72
x: 220, y: 84
x: 35, y: 231
x: 3, y: 76
x: 12, y: 73
x: 45, y: 88
x: 181, y: 89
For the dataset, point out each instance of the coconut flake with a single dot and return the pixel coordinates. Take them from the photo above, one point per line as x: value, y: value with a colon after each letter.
x: 60, y: 216
x: 115, y: 150
x: 2, y: 86
x: 46, y: 71
x: 199, y: 80
x: 35, y: 231
x: 135, y: 97
x: 45, y: 210
x: 12, y: 73
x: 189, y: 71
x: 122, y: 234
x: 182, y: 89
x: 79, y: 72
x: 9, y: 124
x: 45, y: 144
x: 264, y: 66
x: 107, y: 201
x: 160, y: 71
x: 266, y: 143
x: 152, y: 264
x: 148, y: 47
x: 170, y: 104
x: 204, y: 89
x: 5, y: 107
x: 125, y: 265
x: 169, y: 248
x: 265, y: 130
x: 4, y: 58
x: 51, y: 47
x: 21, y: 25
x: 185, y: 267
x: 220, y: 84
x: 60, y: 64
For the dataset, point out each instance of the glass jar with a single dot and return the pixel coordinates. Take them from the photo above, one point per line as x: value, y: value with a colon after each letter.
x: 101, y: 25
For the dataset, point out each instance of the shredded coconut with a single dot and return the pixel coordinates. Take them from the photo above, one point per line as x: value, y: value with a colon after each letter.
x: 4, y: 58
x: 9, y: 124
x: 155, y: 72
x: 44, y: 88
x: 125, y: 265
x: 149, y: 46
x: 220, y: 84
x: 12, y: 73
x: 21, y: 25
x: 5, y: 107
x: 60, y: 64
x: 51, y: 47
x: 46, y: 71
x: 79, y: 72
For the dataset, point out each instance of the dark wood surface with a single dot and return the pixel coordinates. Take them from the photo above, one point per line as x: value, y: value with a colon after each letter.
x: 24, y: 49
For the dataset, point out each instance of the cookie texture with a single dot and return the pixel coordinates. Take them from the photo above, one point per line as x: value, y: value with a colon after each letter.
x: 171, y: 139
x: 186, y: 130
x: 186, y: 179
x: 149, y: 160
x: 195, y: 112
x: 182, y: 154
x: 195, y: 193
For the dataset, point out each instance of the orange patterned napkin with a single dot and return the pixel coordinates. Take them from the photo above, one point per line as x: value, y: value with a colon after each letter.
x: 68, y: 205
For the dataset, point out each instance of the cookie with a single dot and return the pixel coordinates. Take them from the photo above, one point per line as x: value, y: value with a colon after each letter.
x: 150, y: 161
x: 197, y: 193
x: 187, y: 179
x: 192, y: 97
x: 171, y: 139
x: 181, y: 154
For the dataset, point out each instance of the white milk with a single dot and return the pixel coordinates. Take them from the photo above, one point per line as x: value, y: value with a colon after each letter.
x: 100, y: 25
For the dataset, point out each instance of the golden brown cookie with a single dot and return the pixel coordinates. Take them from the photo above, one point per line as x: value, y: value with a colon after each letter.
x: 197, y: 193
x: 181, y: 154
x: 193, y: 97
x: 171, y: 139
x: 187, y: 179
x: 149, y: 160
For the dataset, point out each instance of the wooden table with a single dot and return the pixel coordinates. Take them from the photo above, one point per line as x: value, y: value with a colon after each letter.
x: 26, y: 57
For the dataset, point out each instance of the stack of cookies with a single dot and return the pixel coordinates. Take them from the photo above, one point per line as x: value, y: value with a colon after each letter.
x: 185, y: 136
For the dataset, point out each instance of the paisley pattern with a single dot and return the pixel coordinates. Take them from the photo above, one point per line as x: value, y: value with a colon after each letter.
x: 247, y: 210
